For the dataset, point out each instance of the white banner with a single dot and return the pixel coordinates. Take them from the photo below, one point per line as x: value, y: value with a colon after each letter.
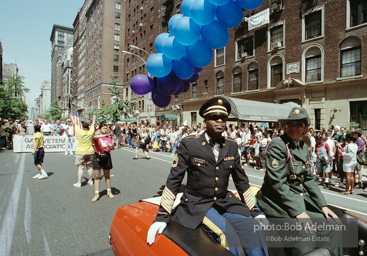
x: 258, y: 19
x: 24, y: 143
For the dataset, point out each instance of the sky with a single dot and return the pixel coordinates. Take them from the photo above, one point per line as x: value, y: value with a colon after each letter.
x: 25, y: 31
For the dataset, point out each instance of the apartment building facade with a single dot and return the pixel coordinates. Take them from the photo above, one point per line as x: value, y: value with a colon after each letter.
x: 311, y: 53
x: 98, y: 37
x: 61, y: 39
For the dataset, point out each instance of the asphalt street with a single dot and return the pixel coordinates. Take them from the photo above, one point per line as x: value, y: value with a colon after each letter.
x: 51, y: 217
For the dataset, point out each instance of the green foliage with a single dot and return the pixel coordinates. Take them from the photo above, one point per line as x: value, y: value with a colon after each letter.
x: 113, y: 113
x: 11, y: 105
x: 54, y: 113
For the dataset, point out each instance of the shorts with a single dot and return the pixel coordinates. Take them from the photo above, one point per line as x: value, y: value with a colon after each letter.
x: 104, y: 163
x: 39, y: 156
x: 83, y: 159
x: 143, y: 146
x: 322, y: 168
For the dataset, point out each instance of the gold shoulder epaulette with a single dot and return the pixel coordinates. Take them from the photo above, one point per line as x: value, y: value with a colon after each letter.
x: 229, y: 138
x: 196, y: 136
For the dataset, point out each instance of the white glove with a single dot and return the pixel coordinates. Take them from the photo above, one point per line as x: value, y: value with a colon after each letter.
x: 154, y: 228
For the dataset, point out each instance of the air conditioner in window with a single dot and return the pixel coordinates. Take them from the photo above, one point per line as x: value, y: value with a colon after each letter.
x: 141, y: 8
x: 133, y: 31
x: 276, y: 45
x: 141, y: 24
x: 275, y: 7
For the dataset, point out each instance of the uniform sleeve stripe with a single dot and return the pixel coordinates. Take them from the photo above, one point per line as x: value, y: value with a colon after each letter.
x: 167, y: 200
x: 249, y: 198
x: 217, y: 231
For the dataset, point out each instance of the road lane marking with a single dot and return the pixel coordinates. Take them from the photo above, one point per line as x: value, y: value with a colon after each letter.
x: 164, y: 160
x: 47, y: 248
x: 16, y: 159
x: 28, y: 216
x: 8, y: 224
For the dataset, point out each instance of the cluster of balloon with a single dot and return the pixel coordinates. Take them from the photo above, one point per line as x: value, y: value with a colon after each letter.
x: 188, y: 47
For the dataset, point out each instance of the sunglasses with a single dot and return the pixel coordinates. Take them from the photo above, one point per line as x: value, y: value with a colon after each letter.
x: 294, y: 124
x: 214, y: 117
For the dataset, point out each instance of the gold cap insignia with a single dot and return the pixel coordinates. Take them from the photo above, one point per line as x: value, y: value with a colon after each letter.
x: 296, y: 112
x: 275, y: 164
x: 220, y: 101
x: 203, y: 143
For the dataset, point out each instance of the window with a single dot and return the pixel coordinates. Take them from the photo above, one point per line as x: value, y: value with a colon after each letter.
x: 127, y: 62
x: 205, y: 86
x: 219, y: 57
x: 193, y: 118
x: 245, y: 47
x: 151, y: 12
x: 128, y: 18
x: 358, y: 113
x: 275, y: 6
x: 115, y: 57
x: 117, y: 26
x: 276, y: 35
x: 358, y: 12
x: 313, y: 69
x: 313, y: 26
x: 118, y: 5
x: 276, y: 71
x: 116, y: 47
x: 151, y: 30
x: 253, y: 77
x: 117, y: 37
x: 317, y: 118
x: 350, y: 53
x: 220, y: 83
x: 128, y: 32
x: 194, y: 90
x: 127, y: 90
x: 117, y: 15
x: 237, y: 80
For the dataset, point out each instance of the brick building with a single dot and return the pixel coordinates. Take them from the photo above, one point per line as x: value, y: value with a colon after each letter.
x: 98, y: 39
x: 311, y: 53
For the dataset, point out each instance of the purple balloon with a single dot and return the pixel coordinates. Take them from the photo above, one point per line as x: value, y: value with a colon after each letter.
x: 186, y: 86
x: 180, y: 89
x: 197, y: 70
x: 160, y: 100
x: 141, y: 84
x: 193, y: 79
x: 168, y: 85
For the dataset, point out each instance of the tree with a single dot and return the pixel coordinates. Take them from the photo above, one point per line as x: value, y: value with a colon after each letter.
x: 118, y: 109
x: 54, y: 112
x: 11, y: 103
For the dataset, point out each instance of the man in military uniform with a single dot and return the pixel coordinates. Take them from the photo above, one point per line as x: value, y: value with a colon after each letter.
x: 3, y: 134
x: 209, y: 159
x: 9, y: 129
x: 289, y: 189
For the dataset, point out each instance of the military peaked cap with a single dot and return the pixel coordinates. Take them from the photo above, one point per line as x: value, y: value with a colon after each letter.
x: 298, y: 114
x: 216, y: 106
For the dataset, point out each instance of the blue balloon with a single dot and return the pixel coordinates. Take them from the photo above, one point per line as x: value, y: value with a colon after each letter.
x: 159, y: 41
x: 215, y: 35
x: 249, y: 4
x: 168, y: 85
x: 141, y: 84
x: 160, y: 100
x: 197, y: 70
x: 185, y: 7
x: 199, y: 54
x: 193, y: 79
x: 183, y: 68
x: 172, y: 21
x: 159, y: 65
x: 173, y: 49
x: 202, y: 11
x: 219, y: 2
x: 186, y: 86
x: 230, y: 15
x: 180, y: 88
x: 186, y: 31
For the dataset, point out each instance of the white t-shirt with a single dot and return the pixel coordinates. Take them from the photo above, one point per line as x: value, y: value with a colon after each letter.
x: 46, y: 127
x: 331, y: 146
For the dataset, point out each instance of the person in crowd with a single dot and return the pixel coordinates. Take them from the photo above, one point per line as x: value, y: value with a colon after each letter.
x: 10, y: 129
x: 134, y: 135
x: 262, y: 151
x: 289, y: 189
x: 68, y: 135
x: 3, y: 134
x: 118, y: 134
x: 57, y: 128
x: 163, y: 136
x: 361, y: 148
x: 143, y: 145
x: 207, y: 202
x: 46, y: 128
x: 84, y: 150
x: 322, y: 160
x: 321, y: 132
x: 38, y: 153
x: 30, y: 128
x: 349, y: 162
x: 332, y: 152
x: 103, y: 144
x: 22, y: 130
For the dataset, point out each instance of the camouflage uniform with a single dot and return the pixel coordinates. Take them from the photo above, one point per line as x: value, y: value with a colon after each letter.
x: 9, y: 131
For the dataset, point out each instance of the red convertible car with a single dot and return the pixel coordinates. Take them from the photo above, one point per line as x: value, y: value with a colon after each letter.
x: 128, y: 235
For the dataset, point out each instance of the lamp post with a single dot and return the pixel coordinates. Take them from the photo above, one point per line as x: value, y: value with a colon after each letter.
x: 137, y: 48
x: 130, y: 53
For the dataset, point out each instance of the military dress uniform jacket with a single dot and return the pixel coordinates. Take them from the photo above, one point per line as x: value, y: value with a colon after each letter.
x: 284, y: 192
x: 207, y: 182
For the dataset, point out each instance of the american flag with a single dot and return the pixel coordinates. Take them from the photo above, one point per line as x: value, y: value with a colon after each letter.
x: 75, y: 117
